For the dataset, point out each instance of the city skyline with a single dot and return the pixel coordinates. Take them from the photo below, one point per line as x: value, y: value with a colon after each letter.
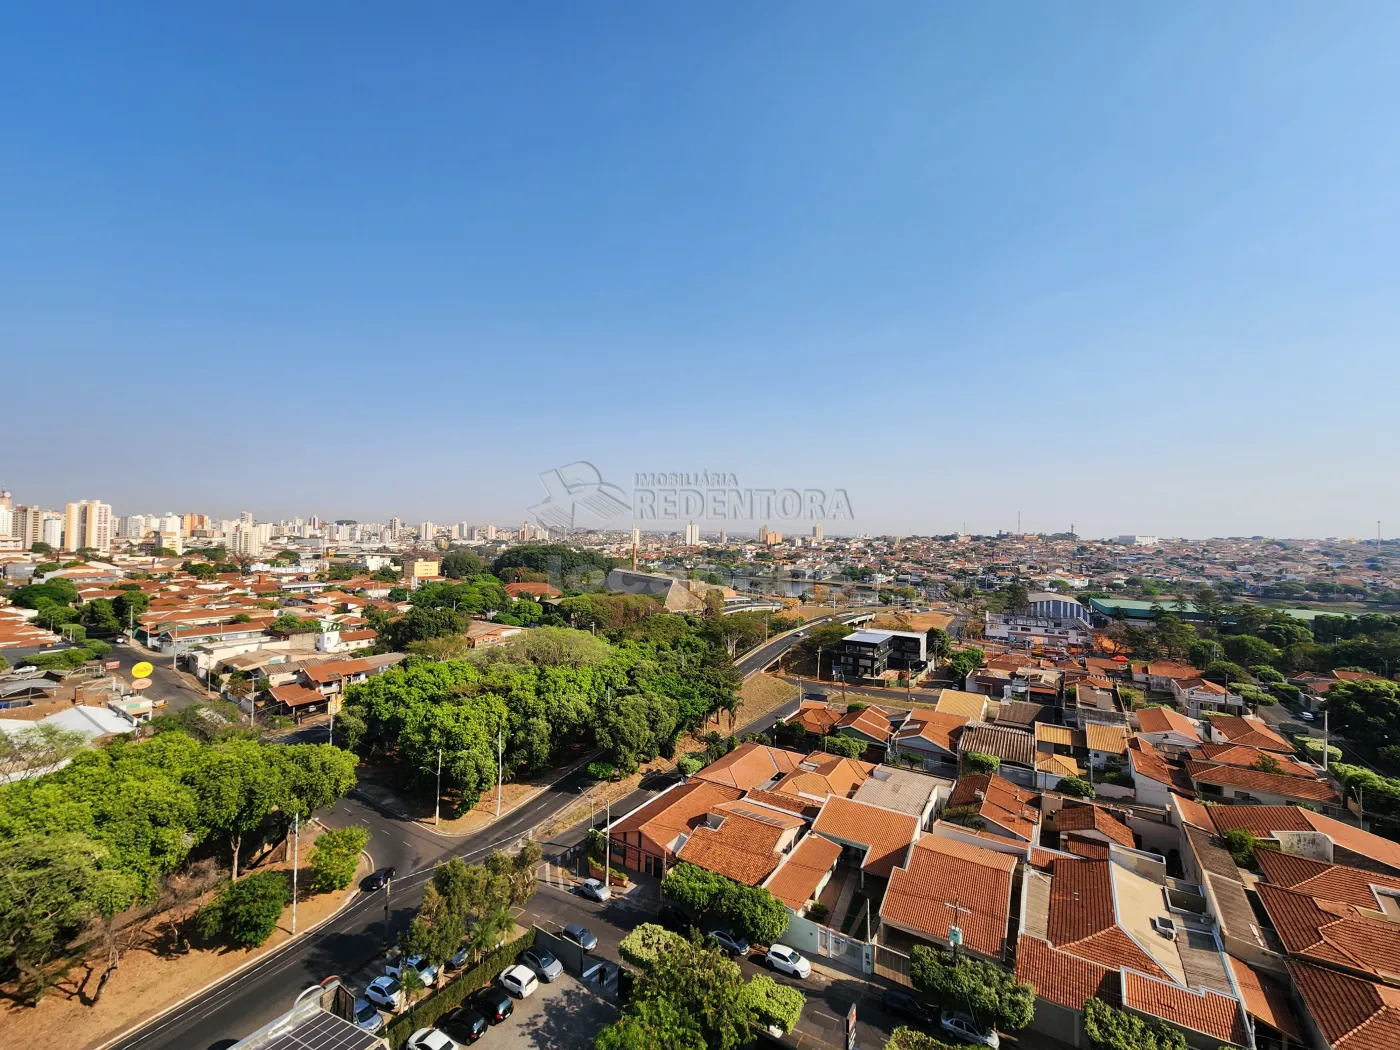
x: 1127, y: 269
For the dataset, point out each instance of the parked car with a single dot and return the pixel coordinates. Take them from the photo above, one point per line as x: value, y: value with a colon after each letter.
x: 386, y: 992
x: 427, y: 972
x: 675, y: 920
x: 968, y: 1030
x: 547, y: 968
x: 464, y: 1024
x: 367, y: 1016
x: 378, y: 880
x: 788, y: 960
x: 459, y: 960
x: 495, y: 1004
x: 520, y: 981
x: 1307, y: 716
x: 595, y: 890
x: 901, y: 1004
x: 730, y: 942
x: 580, y: 935
x: 430, y: 1039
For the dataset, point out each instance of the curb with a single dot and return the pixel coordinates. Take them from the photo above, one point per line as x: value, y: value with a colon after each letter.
x: 257, y: 960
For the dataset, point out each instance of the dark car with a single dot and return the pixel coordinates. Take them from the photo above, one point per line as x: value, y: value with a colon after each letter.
x: 904, y: 1005
x: 495, y: 1003
x: 379, y: 879
x: 463, y: 1025
x: 675, y: 920
x: 580, y: 935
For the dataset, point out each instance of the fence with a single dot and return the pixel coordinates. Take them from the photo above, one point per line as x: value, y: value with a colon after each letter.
x: 892, y: 965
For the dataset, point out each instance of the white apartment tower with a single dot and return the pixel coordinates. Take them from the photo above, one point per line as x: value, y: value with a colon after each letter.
x: 692, y: 535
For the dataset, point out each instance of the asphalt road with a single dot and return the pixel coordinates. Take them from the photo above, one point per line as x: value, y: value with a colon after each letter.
x: 257, y: 995
x: 757, y: 659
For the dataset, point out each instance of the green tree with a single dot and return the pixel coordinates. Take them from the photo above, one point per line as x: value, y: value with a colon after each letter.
x: 774, y: 1005
x: 1109, y: 1028
x: 646, y: 943
x: 1017, y: 597
x: 40, y: 547
x: 1077, y: 786
x: 436, y: 931
x: 963, y: 662
x: 246, y: 912
x: 1242, y: 846
x: 1225, y: 672
x: 695, y: 888
x: 129, y: 606
x: 846, y: 746
x: 237, y: 789
x: 992, y: 995
x: 980, y: 762
x: 100, y: 616
x: 903, y: 1038
x: 1245, y: 649
x: 335, y: 857
x: 753, y: 912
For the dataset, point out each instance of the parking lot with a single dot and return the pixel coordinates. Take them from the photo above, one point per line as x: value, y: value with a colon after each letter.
x: 565, y: 1014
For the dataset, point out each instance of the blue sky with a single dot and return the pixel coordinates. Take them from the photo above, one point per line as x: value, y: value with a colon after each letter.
x: 1129, y: 267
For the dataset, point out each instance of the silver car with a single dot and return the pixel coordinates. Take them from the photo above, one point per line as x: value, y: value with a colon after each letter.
x: 545, y: 965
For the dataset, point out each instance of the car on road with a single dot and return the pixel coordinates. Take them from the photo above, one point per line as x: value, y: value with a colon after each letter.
x: 730, y: 942
x: 1307, y: 716
x: 427, y: 972
x: 378, y: 880
x: 547, y: 968
x: 962, y: 1026
x: 430, y: 1039
x: 464, y: 1024
x: 495, y: 1004
x: 675, y: 920
x: 789, y: 961
x: 902, y: 1004
x: 520, y: 981
x: 595, y: 890
x: 386, y: 992
x: 367, y: 1016
x: 580, y: 935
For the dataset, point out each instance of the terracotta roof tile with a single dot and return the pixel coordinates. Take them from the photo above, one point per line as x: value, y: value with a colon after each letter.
x: 750, y: 765
x: 1110, y: 739
x: 1251, y: 732
x: 1317, y: 878
x: 999, y: 801
x: 1351, y: 1013
x: 675, y: 812
x: 886, y: 833
x: 1192, y: 812
x: 796, y: 879
x: 1094, y: 818
x: 940, y: 871
x: 1261, y: 821
x: 1258, y: 780
x: 1061, y: 977
x: 1266, y: 998
x: 742, y: 848
x: 1210, y: 1013
x: 1166, y: 720
x: 1333, y: 933
x: 1248, y: 757
x: 936, y: 727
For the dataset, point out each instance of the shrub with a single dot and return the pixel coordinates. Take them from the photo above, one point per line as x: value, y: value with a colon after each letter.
x: 1241, y: 844
x: 643, y: 945
x: 1076, y: 786
x: 751, y: 910
x: 246, y: 912
x: 335, y: 856
x: 1110, y: 1029
x: 689, y: 765
x: 602, y: 770
x: 818, y: 912
x: 847, y: 747
x: 1288, y: 691
x: 1311, y: 747
x: 1265, y: 673
x: 1116, y: 776
x: 775, y: 1005
x: 910, y: 1039
x: 979, y: 762
x: 456, y: 991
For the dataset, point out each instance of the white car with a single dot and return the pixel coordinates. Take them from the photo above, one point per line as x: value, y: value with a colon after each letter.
x: 1307, y: 716
x: 789, y: 961
x: 427, y: 972
x: 431, y: 1039
x: 595, y: 890
x: 520, y: 981
x: 385, y: 992
x: 966, y: 1029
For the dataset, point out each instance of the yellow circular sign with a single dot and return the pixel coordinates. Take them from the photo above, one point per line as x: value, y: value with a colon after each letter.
x: 142, y: 670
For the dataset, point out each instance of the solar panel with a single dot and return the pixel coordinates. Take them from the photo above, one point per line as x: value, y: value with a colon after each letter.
x: 324, y: 1031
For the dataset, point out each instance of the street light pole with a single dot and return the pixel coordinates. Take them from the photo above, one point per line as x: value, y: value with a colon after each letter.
x: 500, y: 768
x: 296, y: 858
x: 437, y: 796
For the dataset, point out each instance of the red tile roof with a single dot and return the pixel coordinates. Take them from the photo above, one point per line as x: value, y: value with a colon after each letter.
x: 1210, y: 1013
x: 1249, y: 757
x: 1257, y: 780
x: 1317, y: 878
x: 939, y: 729
x: 1094, y: 818
x: 1333, y: 934
x: 750, y: 765
x: 675, y: 812
x: 296, y: 695
x: 1166, y: 720
x: 1148, y: 763
x: 741, y: 848
x: 886, y: 833
x: 870, y: 722
x: 1061, y: 977
x: 1083, y: 919
x: 797, y: 878
x: 814, y: 717
x: 1251, y: 732
x: 999, y: 802
x: 1266, y: 998
x: 941, y: 871
x: 1351, y: 1013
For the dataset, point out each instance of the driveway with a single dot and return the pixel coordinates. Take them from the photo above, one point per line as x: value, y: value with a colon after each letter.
x: 559, y: 1016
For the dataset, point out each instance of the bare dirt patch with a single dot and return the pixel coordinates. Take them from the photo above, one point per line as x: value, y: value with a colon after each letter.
x: 153, y: 974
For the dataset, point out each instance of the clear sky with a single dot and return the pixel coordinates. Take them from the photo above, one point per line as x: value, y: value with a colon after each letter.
x: 1133, y: 267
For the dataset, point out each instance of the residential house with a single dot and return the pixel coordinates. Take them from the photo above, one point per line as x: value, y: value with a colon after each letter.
x: 1166, y: 729
x: 1297, y: 830
x: 987, y: 802
x: 1014, y: 749
x: 1247, y: 731
x: 1199, y: 696
x: 945, y: 883
x: 917, y: 794
x: 742, y: 840
x: 971, y: 706
x: 870, y: 725
x: 649, y: 838
x: 1155, y: 778
x: 802, y: 874
x: 873, y: 838
x: 1057, y: 753
x: 1343, y: 1012
x: 1159, y: 675
x: 1107, y: 744
x: 932, y: 737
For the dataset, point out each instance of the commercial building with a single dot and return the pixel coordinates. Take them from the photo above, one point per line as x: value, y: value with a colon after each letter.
x: 87, y: 523
x: 870, y: 654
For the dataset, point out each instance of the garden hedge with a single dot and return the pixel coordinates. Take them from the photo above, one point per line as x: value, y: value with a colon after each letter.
x: 455, y: 992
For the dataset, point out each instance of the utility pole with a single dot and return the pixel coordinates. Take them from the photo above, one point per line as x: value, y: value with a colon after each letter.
x: 1360, y: 808
x: 954, y: 930
x: 1326, y: 740
x: 437, y: 797
x: 296, y: 859
x: 331, y: 710
x: 388, y: 882
x: 500, y: 768
x: 607, y: 847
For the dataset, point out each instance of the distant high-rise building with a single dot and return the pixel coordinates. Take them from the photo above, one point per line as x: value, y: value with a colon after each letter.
x: 394, y: 526
x: 817, y: 531
x: 692, y: 535
x: 7, y: 522
x: 526, y: 532
x: 246, y: 517
x: 51, y: 530
x: 723, y: 537
x: 87, y: 523
x: 763, y: 534
x: 6, y: 500
x: 490, y: 532
x: 427, y: 531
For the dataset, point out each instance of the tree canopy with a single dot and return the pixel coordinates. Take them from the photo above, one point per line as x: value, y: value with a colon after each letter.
x: 992, y: 995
